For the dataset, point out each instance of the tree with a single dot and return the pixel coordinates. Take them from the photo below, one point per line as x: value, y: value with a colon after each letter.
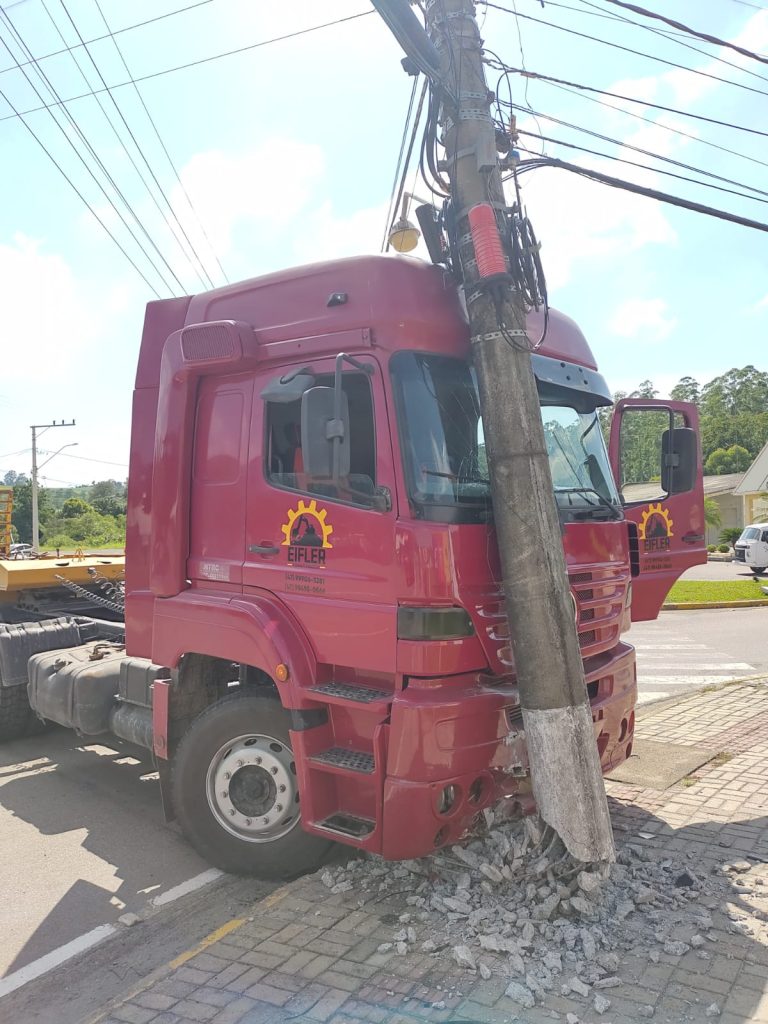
x: 22, y: 509
x: 735, y: 459
x: 736, y: 392
x: 110, y: 505
x: 686, y: 390
x: 712, y: 513
x: 74, y: 507
x: 644, y: 389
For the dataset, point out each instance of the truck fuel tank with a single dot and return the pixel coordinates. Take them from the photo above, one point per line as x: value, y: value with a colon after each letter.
x: 77, y: 687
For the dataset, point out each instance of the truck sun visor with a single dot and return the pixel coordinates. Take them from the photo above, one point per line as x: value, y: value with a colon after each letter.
x: 573, y: 378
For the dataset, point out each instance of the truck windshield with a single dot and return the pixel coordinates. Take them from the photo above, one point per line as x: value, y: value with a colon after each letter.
x: 444, y: 449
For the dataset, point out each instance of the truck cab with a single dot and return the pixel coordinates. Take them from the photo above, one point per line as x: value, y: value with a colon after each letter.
x: 316, y: 647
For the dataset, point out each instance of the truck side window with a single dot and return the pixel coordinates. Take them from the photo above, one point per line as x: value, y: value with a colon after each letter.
x: 284, y: 462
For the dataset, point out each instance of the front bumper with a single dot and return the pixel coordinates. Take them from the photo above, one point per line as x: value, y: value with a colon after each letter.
x: 456, y: 747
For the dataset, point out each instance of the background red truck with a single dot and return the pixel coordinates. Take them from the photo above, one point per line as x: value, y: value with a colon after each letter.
x: 315, y: 647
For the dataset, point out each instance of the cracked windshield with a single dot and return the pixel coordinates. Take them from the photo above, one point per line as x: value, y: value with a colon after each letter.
x: 445, y: 447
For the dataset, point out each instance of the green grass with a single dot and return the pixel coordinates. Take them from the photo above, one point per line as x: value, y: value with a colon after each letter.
x: 693, y: 591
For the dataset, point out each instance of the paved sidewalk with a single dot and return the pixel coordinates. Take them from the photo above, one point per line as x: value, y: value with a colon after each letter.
x: 311, y: 954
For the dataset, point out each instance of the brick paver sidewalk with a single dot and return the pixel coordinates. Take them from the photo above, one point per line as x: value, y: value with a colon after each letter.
x: 310, y: 954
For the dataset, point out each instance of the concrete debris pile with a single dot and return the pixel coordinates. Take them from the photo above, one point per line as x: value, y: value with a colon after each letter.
x: 563, y: 935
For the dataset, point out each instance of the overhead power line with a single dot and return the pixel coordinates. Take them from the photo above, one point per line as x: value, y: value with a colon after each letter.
x: 118, y: 31
x: 634, y: 163
x: 627, y: 49
x: 144, y: 160
x: 690, y: 31
x: 632, y: 99
x: 76, y: 127
x: 77, y: 191
x: 642, y: 190
x: 182, y: 186
x: 644, y: 152
x: 679, y: 38
x: 197, y: 63
x: 675, y: 130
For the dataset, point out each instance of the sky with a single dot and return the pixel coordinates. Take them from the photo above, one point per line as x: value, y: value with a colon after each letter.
x: 287, y: 153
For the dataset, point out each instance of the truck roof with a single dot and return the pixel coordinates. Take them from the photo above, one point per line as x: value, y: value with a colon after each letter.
x: 406, y: 302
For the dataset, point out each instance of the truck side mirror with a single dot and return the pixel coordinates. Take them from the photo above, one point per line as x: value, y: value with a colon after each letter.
x: 679, y: 458
x: 321, y: 431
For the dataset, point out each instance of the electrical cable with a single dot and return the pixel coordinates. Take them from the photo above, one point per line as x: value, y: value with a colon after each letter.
x: 115, y: 132
x: 119, y: 31
x: 642, y: 190
x: 197, y: 63
x: 647, y: 152
x: 705, y: 36
x: 634, y: 163
x: 144, y: 159
x: 73, y: 123
x: 679, y: 38
x: 665, y: 127
x: 407, y: 161
x: 399, y: 160
x: 182, y: 186
x: 629, y: 99
x: 627, y: 49
x: 74, y: 187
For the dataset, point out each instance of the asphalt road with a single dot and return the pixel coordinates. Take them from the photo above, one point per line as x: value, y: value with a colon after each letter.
x: 719, y: 571
x: 83, y: 841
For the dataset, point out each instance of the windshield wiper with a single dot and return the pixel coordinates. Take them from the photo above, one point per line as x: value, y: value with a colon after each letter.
x: 602, y: 501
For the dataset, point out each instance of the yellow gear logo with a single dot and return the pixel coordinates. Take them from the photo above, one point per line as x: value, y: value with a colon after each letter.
x: 655, y: 522
x: 307, y: 526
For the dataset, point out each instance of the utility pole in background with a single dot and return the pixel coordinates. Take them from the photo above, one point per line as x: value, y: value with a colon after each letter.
x: 565, y: 768
x: 41, y: 427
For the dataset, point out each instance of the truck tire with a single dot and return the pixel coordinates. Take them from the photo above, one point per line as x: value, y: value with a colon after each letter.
x: 15, y: 712
x: 235, y: 791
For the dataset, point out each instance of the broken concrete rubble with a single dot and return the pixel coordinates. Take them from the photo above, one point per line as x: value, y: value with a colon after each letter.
x: 562, y: 932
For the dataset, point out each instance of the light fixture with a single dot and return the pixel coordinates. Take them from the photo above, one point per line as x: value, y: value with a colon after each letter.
x: 404, y: 235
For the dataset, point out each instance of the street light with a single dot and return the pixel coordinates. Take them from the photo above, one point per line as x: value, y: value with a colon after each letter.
x: 35, y: 470
x: 404, y: 235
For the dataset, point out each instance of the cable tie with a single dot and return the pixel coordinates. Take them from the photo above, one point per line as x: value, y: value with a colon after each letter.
x: 474, y: 114
x: 499, y: 335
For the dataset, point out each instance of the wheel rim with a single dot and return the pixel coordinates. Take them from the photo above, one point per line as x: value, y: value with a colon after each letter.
x: 251, y: 788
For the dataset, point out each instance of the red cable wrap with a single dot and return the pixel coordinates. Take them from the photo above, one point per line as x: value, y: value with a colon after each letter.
x: 489, y: 250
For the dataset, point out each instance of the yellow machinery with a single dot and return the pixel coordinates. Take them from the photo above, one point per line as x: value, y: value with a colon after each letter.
x: 6, y: 512
x: 32, y: 573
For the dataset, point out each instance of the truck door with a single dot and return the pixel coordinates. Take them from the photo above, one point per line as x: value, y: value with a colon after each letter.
x: 656, y: 460
x: 326, y: 548
x: 219, y: 475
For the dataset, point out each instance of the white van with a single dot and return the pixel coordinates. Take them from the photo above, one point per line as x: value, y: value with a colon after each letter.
x: 752, y: 547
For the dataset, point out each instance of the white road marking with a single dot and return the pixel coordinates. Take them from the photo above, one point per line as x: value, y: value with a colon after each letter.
x: 54, y: 959
x: 670, y: 663
x: 37, y: 968
x: 184, y: 888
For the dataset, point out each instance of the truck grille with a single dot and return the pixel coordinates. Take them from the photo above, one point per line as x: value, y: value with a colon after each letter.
x: 600, y: 594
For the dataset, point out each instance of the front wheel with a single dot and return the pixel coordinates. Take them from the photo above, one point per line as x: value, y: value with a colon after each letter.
x: 236, y: 794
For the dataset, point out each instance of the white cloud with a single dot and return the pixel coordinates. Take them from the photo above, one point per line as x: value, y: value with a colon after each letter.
x: 580, y: 222
x: 646, y: 319
x: 759, y: 306
x: 48, y: 316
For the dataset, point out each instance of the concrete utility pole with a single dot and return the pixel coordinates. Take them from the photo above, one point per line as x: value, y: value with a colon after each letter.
x: 41, y: 427
x: 565, y: 767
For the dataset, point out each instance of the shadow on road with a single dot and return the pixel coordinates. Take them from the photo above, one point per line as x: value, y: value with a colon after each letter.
x: 83, y: 840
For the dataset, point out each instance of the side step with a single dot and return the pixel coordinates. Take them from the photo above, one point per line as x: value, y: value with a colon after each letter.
x: 347, y: 825
x: 344, y: 693
x: 344, y: 760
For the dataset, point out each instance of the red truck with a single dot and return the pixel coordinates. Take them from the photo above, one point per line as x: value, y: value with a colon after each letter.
x: 315, y: 648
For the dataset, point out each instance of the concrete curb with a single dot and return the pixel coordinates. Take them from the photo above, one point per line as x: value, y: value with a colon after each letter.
x: 681, y: 606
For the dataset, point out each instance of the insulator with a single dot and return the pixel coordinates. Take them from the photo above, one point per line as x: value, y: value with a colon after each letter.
x: 489, y: 249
